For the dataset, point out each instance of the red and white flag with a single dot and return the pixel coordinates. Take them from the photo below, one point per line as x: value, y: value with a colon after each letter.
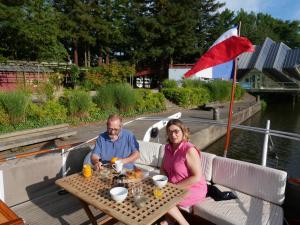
x: 227, y: 47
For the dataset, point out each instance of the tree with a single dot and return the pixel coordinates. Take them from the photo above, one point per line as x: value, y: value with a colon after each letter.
x: 30, y: 31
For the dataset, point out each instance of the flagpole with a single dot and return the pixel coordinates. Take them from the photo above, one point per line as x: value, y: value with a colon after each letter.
x: 231, y: 102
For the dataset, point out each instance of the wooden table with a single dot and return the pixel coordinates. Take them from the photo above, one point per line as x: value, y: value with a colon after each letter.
x: 95, y: 191
x: 7, y: 216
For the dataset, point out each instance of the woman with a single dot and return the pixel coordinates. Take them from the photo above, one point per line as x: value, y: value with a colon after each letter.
x: 182, y: 165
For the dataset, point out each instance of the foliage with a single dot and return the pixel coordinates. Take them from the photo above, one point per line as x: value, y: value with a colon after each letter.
x: 50, y: 112
x: 35, y: 112
x: 258, y: 26
x: 105, y: 98
x: 147, y: 101
x: 45, y: 90
x: 77, y: 102
x: 169, y: 84
x: 239, y: 92
x: 74, y: 73
x: 54, y: 112
x: 219, y: 90
x: 125, y: 99
x: 116, y: 96
x: 15, y: 105
x: 4, y: 117
x: 116, y: 72
x: 56, y: 79
x: 188, y: 83
x: 93, y: 78
x: 30, y: 31
x: 264, y: 105
x: 187, y: 97
x: 147, y: 33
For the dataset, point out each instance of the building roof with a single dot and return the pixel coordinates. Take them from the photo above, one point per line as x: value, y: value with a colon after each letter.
x: 276, y: 59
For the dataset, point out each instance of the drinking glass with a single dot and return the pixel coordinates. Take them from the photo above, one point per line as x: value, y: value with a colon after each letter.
x: 158, y: 192
x: 137, y: 192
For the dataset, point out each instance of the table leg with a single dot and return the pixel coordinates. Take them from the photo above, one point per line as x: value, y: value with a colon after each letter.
x: 108, y: 221
x: 89, y: 213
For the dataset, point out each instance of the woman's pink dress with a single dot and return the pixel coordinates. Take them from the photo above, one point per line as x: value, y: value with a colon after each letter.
x: 175, y: 166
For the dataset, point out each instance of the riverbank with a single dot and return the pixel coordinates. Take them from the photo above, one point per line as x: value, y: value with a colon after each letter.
x: 202, y: 134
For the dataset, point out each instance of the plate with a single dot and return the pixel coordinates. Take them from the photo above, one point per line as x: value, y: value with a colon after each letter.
x: 134, y: 175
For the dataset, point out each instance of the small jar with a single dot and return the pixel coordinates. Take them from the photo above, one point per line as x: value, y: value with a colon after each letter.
x: 87, y: 170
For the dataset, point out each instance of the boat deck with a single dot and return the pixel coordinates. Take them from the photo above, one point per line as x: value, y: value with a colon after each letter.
x: 54, y: 209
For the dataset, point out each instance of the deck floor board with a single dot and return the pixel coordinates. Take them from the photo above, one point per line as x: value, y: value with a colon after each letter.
x: 54, y: 209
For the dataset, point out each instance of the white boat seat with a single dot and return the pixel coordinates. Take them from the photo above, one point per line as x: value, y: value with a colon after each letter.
x: 244, y: 210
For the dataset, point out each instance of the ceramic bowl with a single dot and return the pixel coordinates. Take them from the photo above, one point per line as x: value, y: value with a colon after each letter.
x: 118, y: 194
x: 160, y: 180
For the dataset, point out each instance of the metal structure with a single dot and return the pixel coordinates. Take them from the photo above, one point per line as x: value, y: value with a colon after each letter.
x: 273, y: 67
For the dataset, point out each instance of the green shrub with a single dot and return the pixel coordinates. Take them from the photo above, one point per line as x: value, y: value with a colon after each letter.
x: 78, y: 103
x: 96, y: 113
x: 114, y: 97
x: 147, y: 101
x: 45, y: 91
x: 124, y: 98
x: 169, y: 84
x: 54, y: 112
x: 105, y: 97
x: 186, y: 97
x: 74, y: 74
x: 15, y: 105
x: 219, y: 90
x: 188, y: 83
x: 35, y: 112
x: 56, y: 79
x: 4, y: 118
x: 239, y: 92
x: 111, y: 73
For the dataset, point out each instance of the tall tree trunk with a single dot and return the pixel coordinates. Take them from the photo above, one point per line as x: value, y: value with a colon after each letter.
x: 85, y: 56
x: 89, y: 57
x: 100, y: 58
x: 75, y: 53
x: 107, y: 56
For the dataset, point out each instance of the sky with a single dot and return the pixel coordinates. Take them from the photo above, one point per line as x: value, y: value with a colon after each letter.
x: 279, y: 9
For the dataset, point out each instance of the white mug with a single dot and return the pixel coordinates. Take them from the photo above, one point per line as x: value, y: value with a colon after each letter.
x: 118, y: 166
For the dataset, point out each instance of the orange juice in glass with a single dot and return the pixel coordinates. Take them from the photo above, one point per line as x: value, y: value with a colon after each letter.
x: 87, y: 170
x: 158, y: 192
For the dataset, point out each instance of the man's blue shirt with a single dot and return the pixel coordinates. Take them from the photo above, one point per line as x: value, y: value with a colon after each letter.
x: 123, y: 147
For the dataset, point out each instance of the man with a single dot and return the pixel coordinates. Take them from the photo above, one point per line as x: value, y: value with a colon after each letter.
x: 115, y: 142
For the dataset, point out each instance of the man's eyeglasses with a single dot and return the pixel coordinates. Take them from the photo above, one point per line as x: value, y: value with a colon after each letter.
x: 113, y: 129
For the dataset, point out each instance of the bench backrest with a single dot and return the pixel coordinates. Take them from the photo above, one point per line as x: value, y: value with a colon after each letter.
x: 151, y: 154
x: 261, y: 182
x: 206, y: 164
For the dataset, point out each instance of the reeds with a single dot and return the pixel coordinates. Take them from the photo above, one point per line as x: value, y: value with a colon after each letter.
x: 15, y: 104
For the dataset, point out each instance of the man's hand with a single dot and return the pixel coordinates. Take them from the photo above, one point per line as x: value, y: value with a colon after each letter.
x: 98, y: 166
x: 96, y: 162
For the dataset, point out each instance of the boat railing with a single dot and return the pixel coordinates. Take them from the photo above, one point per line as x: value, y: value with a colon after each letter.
x: 162, y: 121
x: 266, y: 131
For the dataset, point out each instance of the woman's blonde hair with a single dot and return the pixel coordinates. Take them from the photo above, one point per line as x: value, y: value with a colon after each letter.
x: 184, y: 129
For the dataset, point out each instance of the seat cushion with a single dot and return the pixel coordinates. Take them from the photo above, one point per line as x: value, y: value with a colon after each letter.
x: 206, y: 165
x: 262, y: 182
x: 243, y: 210
x: 149, y: 153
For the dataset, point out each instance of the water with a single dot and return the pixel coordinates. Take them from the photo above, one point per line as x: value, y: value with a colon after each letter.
x: 247, y: 146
